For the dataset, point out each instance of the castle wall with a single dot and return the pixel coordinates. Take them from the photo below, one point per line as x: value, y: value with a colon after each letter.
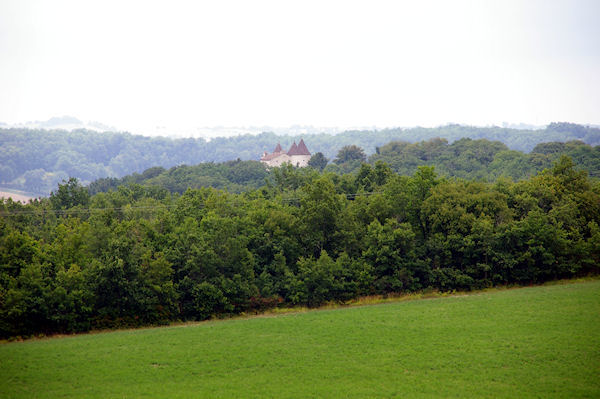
x: 276, y: 162
x: 300, y: 161
x: 298, y: 156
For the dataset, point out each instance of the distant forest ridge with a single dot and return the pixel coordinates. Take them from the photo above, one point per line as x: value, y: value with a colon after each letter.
x: 36, y: 160
x: 465, y: 158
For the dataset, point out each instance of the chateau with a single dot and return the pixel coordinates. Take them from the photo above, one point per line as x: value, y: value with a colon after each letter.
x: 298, y: 155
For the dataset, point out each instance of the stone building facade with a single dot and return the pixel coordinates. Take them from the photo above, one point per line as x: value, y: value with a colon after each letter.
x: 298, y: 155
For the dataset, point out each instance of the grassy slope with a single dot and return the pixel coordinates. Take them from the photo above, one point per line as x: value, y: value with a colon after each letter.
x: 530, y: 342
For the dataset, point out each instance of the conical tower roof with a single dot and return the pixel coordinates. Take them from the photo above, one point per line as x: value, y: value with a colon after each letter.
x: 293, y: 149
x: 302, y: 150
x: 278, y: 148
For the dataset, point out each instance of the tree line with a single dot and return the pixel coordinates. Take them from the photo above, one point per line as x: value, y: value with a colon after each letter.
x: 142, y: 255
x: 37, y: 160
x: 483, y: 159
x: 470, y: 159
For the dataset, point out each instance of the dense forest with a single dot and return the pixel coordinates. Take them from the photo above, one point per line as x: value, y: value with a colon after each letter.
x: 141, y: 255
x: 233, y: 176
x: 470, y: 159
x: 483, y: 159
x: 37, y: 160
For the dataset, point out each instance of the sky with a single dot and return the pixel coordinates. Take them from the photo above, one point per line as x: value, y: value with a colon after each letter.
x: 142, y: 64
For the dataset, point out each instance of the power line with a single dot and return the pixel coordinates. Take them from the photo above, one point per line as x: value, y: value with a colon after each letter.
x: 41, y: 212
x: 81, y: 211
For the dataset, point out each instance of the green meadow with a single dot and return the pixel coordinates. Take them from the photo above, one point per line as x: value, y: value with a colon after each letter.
x: 541, y: 342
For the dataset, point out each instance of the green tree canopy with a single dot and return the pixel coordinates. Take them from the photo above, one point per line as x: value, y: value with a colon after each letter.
x: 318, y: 161
x: 350, y: 153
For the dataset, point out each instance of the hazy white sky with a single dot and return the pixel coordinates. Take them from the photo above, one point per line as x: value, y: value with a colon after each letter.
x: 137, y: 64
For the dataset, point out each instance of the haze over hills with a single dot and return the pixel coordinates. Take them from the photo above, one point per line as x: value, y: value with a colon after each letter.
x: 70, y: 123
x: 36, y: 160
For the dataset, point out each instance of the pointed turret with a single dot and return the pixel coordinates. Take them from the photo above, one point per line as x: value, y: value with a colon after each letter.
x: 298, y: 156
x: 302, y: 150
x: 293, y: 149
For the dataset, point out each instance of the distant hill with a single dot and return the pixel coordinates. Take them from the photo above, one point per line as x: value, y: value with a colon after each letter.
x: 465, y: 158
x: 234, y: 176
x: 36, y: 160
x: 484, y: 159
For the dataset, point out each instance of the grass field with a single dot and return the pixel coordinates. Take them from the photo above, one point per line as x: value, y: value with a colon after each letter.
x: 541, y: 342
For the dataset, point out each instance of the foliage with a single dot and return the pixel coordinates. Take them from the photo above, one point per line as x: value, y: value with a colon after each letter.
x: 234, y: 176
x: 37, y: 160
x: 470, y: 159
x: 350, y: 153
x: 142, y: 255
x: 69, y: 194
x: 318, y: 161
x: 482, y: 159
